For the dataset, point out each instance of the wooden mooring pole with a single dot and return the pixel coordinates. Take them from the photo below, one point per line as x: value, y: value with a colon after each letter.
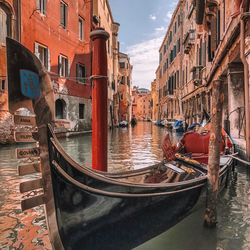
x: 210, y: 218
x: 99, y: 100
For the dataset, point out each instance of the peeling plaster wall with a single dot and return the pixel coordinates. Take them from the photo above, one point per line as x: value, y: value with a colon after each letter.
x: 235, y: 97
x: 72, y: 121
x: 6, y: 128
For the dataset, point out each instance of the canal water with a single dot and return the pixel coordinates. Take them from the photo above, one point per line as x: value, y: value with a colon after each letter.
x: 129, y: 148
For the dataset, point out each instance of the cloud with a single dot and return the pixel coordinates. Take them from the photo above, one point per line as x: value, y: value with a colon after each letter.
x: 145, y: 59
x: 159, y: 29
x: 152, y: 17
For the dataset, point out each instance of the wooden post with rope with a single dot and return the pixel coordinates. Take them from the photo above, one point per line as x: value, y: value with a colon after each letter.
x: 210, y: 218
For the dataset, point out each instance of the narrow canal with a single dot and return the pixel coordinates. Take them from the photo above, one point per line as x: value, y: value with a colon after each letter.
x: 129, y: 148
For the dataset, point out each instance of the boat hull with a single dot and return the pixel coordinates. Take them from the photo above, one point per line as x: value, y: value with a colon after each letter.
x: 91, y: 220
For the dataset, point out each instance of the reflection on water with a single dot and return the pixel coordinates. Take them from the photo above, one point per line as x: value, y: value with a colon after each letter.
x: 233, y: 229
x: 128, y: 148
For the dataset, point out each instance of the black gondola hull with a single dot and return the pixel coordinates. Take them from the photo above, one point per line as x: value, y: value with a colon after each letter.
x: 91, y: 221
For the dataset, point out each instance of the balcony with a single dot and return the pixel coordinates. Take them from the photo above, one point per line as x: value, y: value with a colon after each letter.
x: 189, y: 41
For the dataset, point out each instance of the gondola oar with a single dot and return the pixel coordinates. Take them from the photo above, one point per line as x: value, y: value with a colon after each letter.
x: 238, y: 159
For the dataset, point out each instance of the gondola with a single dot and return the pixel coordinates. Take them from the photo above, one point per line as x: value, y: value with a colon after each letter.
x: 88, y: 209
x: 98, y: 210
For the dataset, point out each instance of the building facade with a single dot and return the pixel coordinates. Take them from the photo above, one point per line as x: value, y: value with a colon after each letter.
x: 169, y: 72
x: 154, y: 101
x: 102, y: 17
x: 141, y: 104
x: 214, y: 47
x: 9, y: 26
x: 124, y: 88
x: 58, y: 33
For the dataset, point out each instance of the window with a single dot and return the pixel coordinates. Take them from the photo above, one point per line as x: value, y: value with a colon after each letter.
x: 43, y: 53
x: 81, y: 29
x: 63, y: 14
x: 81, y: 73
x: 60, y: 109
x: 122, y: 65
x: 81, y: 110
x: 108, y: 44
x: 2, y: 86
x: 41, y: 5
x: 178, y: 46
x: 5, y: 25
x: 63, y: 66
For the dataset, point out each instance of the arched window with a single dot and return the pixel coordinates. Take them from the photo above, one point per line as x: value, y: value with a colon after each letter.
x: 60, y: 109
x: 5, y: 23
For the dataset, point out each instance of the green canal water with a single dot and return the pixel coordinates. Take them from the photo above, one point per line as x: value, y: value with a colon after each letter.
x: 133, y: 148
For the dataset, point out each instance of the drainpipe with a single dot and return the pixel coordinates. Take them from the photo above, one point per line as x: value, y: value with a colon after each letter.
x: 246, y: 80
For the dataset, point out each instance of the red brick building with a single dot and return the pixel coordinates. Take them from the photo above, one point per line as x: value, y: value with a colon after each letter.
x: 58, y: 33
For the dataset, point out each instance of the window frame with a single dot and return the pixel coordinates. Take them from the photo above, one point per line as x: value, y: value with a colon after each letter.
x: 81, y: 114
x: 63, y: 59
x: 64, y: 24
x: 83, y: 78
x: 81, y: 22
x: 46, y: 56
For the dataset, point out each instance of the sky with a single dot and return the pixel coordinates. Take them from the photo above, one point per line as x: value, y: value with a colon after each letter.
x: 143, y: 24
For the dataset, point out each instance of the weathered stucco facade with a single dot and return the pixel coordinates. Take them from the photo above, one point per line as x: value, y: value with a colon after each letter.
x: 169, y: 72
x: 9, y: 16
x: 154, y: 101
x: 141, y: 104
x: 102, y: 16
x: 124, y: 88
x: 58, y: 34
x: 214, y: 47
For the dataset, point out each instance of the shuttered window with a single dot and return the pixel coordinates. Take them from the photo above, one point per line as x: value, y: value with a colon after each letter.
x: 63, y: 14
x: 41, y: 5
x: 4, y: 26
x: 43, y: 53
x: 63, y: 66
x: 81, y: 29
x: 81, y: 73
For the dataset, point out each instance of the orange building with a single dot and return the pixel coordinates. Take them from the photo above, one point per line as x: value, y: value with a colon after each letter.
x: 58, y: 32
x: 124, y: 88
x: 141, y: 104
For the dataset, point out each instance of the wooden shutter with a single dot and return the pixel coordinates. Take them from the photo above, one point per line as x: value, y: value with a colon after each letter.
x: 45, y: 6
x: 204, y: 54
x: 213, y: 34
x: 49, y: 63
x: 36, y: 50
x: 38, y: 7
x: 60, y: 65
x: 68, y: 69
x: 62, y: 13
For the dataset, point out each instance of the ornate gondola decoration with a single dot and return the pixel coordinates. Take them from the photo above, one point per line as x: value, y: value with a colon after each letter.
x: 89, y: 209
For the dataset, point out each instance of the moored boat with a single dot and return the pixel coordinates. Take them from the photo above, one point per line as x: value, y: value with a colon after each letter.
x: 178, y: 126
